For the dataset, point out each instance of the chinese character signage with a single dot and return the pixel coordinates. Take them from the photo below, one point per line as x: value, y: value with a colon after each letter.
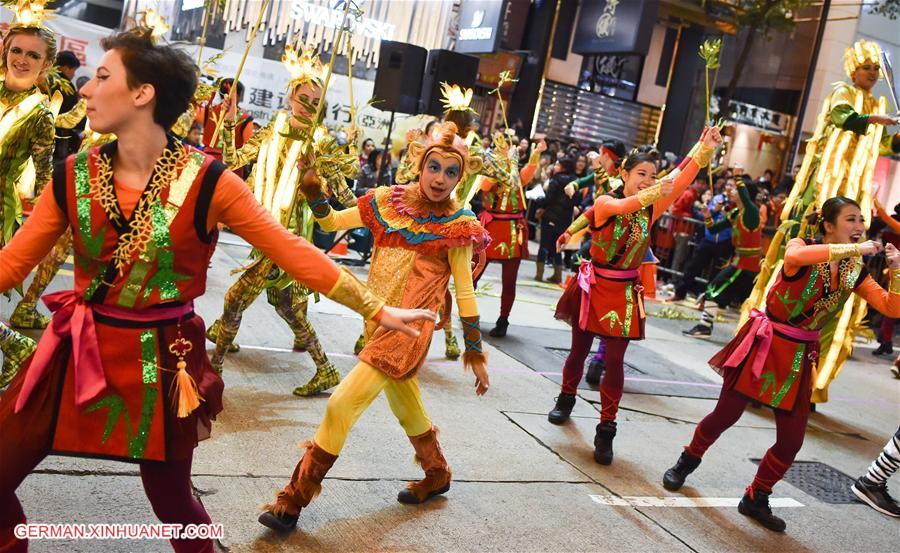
x: 615, y: 27
x: 480, y: 26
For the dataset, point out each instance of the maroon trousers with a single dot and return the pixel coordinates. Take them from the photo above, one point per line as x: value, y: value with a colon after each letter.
x: 613, y: 381
x: 790, y: 429
x: 25, y: 439
x: 510, y: 273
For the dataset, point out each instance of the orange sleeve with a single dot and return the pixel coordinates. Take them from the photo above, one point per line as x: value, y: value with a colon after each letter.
x: 234, y: 205
x: 607, y: 206
x: 684, y: 179
x: 33, y: 241
x: 887, y: 303
x: 888, y: 220
x: 799, y: 254
x: 484, y: 183
x: 527, y: 173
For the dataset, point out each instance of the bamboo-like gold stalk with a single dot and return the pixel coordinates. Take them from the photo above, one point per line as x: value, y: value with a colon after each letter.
x: 240, y: 68
x: 203, y: 36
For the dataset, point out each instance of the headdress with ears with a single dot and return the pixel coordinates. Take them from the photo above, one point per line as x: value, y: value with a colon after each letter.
x: 445, y: 140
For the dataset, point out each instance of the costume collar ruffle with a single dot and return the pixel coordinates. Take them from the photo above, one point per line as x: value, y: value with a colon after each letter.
x: 401, y: 216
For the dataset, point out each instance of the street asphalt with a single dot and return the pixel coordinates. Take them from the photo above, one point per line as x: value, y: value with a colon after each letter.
x: 519, y: 482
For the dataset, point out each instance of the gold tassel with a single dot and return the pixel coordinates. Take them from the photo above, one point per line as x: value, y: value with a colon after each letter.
x: 184, y: 393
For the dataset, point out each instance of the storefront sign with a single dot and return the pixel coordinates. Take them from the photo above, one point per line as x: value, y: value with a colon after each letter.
x: 333, y: 17
x: 480, y: 26
x: 265, y: 81
x: 755, y: 116
x: 615, y: 27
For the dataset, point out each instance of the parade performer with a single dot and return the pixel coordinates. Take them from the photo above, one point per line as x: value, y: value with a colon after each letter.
x: 422, y: 237
x: 240, y: 121
x: 604, y: 179
x: 871, y: 488
x: 606, y: 170
x: 126, y: 343
x: 840, y: 160
x: 457, y: 109
x: 605, y: 300
x: 281, y: 151
x: 735, y: 281
x: 26, y: 314
x: 27, y: 137
x: 504, y: 219
x: 773, y: 357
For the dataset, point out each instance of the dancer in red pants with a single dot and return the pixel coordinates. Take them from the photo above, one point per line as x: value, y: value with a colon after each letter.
x: 605, y: 300
x: 772, y: 359
x: 121, y: 372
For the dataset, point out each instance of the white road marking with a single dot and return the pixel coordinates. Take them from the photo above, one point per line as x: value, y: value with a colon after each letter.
x: 627, y: 501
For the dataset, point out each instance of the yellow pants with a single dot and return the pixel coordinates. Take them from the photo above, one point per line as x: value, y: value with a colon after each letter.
x: 354, y: 395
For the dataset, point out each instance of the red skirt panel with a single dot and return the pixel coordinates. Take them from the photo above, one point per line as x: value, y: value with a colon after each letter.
x: 786, y: 373
x: 612, y: 306
x: 509, y: 235
x: 133, y: 419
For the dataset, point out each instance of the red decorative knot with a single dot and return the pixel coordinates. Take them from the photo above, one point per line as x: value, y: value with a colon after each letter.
x: 813, y: 355
x: 181, y: 346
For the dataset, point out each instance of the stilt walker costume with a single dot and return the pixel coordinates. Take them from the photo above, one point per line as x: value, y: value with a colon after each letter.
x: 281, y: 151
x: 422, y: 237
x: 26, y: 314
x: 735, y: 281
x: 504, y: 219
x: 121, y: 372
x: 605, y: 299
x: 839, y: 160
x: 773, y: 357
x: 27, y: 138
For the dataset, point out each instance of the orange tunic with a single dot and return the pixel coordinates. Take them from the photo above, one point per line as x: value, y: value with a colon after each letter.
x: 232, y: 204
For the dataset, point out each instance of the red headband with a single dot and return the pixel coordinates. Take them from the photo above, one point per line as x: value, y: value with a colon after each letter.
x: 610, y: 153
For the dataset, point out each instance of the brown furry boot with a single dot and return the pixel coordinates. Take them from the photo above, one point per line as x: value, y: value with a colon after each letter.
x: 437, y: 474
x: 305, y: 485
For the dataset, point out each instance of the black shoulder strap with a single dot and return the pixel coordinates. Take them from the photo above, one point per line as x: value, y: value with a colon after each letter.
x: 59, y: 185
x: 204, y: 199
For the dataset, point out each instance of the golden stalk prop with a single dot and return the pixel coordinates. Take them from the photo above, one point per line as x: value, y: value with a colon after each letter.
x: 233, y: 90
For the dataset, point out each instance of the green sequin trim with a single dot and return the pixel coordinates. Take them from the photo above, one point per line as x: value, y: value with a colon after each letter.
x: 629, y: 308
x: 778, y: 397
x: 91, y: 243
x: 148, y: 356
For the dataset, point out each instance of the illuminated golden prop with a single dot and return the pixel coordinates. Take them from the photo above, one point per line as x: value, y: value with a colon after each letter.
x: 837, y: 162
x: 455, y: 98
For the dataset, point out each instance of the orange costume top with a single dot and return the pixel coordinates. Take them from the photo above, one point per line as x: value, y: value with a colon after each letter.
x: 121, y: 372
x: 418, y: 245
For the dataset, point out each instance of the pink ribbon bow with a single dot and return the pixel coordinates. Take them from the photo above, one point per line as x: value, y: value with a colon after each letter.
x: 761, y: 329
x: 72, y: 317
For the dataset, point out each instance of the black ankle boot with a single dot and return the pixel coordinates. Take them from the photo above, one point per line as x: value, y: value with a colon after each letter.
x: 673, y: 479
x: 279, y: 523
x: 563, y: 408
x: 884, y: 348
x: 603, y: 450
x: 757, y: 507
x: 499, y: 330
